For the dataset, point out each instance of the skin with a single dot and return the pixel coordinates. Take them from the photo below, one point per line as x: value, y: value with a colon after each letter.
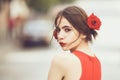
x: 68, y: 66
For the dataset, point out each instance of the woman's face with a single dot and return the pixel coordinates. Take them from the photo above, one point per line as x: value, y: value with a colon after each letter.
x: 68, y: 37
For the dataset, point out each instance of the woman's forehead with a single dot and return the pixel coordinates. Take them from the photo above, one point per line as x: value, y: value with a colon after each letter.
x: 62, y: 21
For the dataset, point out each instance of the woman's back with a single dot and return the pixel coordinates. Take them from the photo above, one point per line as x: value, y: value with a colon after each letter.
x: 75, y: 66
x: 65, y: 67
x: 91, y: 68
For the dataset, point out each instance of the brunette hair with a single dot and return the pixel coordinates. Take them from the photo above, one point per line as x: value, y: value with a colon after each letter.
x: 2, y: 2
x: 78, y: 19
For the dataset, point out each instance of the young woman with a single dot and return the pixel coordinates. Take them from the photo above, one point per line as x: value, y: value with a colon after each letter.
x: 74, y: 31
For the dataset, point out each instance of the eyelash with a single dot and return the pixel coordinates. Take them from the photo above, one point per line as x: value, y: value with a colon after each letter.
x: 67, y: 29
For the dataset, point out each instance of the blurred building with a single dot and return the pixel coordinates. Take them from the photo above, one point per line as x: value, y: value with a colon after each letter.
x: 4, y: 15
x: 19, y: 12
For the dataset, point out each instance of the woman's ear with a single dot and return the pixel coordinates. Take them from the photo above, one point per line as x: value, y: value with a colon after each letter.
x: 83, y: 36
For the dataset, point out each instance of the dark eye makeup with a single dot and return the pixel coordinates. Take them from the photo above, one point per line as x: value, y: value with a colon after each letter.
x: 65, y: 28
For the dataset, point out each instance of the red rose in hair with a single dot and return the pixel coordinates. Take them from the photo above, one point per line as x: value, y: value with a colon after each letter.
x: 93, y: 22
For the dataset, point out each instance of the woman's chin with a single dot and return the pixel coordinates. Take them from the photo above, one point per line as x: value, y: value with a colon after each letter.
x: 65, y: 49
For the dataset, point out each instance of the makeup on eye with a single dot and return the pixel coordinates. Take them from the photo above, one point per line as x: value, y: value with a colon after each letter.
x: 65, y: 28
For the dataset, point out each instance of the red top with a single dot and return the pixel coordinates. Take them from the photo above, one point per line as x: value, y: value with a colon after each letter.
x: 91, y: 67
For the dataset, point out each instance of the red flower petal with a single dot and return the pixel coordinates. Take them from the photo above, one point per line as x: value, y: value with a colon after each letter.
x: 93, y: 22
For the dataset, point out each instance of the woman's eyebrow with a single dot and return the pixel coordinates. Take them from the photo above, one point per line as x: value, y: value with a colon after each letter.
x: 66, y: 27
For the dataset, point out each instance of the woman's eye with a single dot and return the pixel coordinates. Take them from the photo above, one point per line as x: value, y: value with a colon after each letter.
x: 67, y: 30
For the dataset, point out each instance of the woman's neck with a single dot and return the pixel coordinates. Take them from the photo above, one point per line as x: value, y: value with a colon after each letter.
x: 84, y: 47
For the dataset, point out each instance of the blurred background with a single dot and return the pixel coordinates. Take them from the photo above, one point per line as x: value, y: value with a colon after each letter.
x: 27, y: 46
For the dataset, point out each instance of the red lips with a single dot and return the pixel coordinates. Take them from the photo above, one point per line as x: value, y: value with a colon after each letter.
x: 62, y: 44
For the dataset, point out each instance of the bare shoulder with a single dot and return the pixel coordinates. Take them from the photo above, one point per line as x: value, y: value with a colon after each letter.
x: 69, y: 64
x: 68, y: 59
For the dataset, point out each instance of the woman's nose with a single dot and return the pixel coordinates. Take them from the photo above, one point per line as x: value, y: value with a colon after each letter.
x: 61, y: 35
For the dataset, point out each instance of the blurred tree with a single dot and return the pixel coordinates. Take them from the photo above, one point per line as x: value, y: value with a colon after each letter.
x: 66, y: 1
x: 41, y: 5
x: 44, y: 5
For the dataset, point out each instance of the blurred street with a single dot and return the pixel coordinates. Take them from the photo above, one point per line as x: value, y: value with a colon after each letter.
x: 33, y: 64
x: 17, y: 63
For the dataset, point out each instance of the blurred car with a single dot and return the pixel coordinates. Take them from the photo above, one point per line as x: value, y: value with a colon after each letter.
x: 36, y: 33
